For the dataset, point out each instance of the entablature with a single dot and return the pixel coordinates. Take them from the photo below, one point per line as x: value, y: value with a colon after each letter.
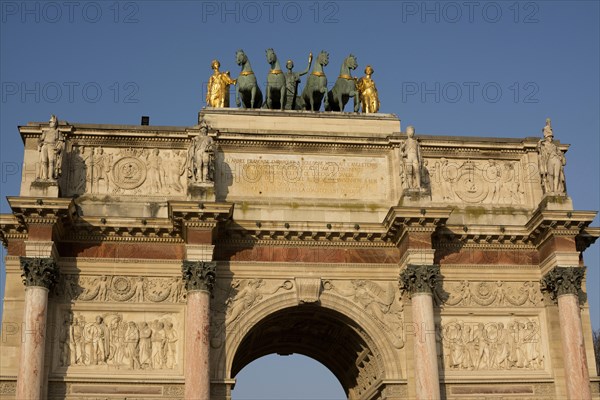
x: 545, y: 224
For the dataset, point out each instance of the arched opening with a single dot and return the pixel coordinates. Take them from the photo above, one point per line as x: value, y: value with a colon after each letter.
x: 286, y: 377
x: 322, y: 334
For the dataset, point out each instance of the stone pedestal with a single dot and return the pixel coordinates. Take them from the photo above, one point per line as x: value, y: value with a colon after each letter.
x: 39, y: 275
x: 199, y: 278
x: 415, y: 197
x: 419, y: 281
x: 556, y: 202
x: 44, y: 188
x: 564, y: 284
x: 201, y: 191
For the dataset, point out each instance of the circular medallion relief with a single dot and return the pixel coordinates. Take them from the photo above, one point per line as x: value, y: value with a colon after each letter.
x: 129, y: 173
x: 471, y: 187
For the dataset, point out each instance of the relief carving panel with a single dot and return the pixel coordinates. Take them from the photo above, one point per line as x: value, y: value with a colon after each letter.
x: 231, y: 302
x: 380, y: 301
x: 113, y: 341
x: 124, y: 171
x: 494, y: 294
x: 120, y: 288
x: 498, y: 343
x: 475, y: 182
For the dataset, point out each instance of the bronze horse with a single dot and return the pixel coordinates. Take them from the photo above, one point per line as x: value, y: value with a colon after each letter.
x: 247, y: 92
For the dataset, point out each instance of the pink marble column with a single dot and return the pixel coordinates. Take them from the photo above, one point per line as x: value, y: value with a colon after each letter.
x: 197, y: 349
x: 39, y: 275
x: 564, y: 285
x: 199, y: 278
x: 420, y: 281
x: 31, y: 365
x: 425, y: 350
x: 571, y: 333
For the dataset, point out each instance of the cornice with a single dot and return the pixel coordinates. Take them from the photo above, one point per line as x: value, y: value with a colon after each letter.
x: 44, y: 208
x: 306, y: 234
x: 57, y: 212
x: 198, y: 214
x: 545, y: 224
x: 483, y: 236
x: 11, y: 228
x: 400, y: 221
x: 586, y: 237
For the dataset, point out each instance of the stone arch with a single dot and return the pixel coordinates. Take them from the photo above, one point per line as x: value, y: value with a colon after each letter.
x: 277, y: 325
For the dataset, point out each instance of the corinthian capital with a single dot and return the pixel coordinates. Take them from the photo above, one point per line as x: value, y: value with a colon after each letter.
x: 562, y: 280
x: 419, y: 278
x: 199, y: 275
x: 41, y: 272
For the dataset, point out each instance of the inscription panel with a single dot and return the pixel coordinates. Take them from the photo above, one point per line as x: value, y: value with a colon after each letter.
x: 303, y: 176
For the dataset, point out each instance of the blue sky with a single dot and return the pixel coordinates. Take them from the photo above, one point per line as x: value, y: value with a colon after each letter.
x: 483, y: 68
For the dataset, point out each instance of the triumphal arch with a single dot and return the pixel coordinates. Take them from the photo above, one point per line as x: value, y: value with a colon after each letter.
x: 155, y: 262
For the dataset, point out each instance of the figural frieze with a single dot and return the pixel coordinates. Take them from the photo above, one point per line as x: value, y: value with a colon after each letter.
x: 125, y: 171
x: 488, y: 293
x: 478, y: 181
x: 120, y: 288
x: 120, y: 341
x: 492, y: 344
